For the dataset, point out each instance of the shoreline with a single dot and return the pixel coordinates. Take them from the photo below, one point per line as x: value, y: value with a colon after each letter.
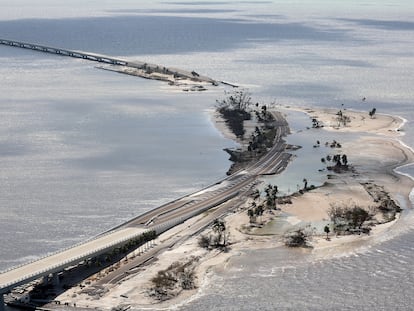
x: 214, y: 260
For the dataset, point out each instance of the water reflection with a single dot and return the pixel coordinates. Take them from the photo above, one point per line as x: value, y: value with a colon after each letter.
x: 137, y: 35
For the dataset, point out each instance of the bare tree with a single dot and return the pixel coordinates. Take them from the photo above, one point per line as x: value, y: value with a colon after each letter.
x: 239, y: 100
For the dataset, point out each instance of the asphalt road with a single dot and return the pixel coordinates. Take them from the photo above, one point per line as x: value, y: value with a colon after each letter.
x: 223, y: 195
x: 273, y: 162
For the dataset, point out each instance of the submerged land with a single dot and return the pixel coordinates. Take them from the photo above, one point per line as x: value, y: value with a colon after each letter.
x: 365, y: 179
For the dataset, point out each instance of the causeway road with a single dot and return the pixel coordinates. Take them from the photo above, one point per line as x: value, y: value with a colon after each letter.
x: 159, y: 219
x: 275, y: 160
x: 224, y: 195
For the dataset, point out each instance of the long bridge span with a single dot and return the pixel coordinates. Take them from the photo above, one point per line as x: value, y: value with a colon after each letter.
x: 64, y: 52
x: 177, y: 73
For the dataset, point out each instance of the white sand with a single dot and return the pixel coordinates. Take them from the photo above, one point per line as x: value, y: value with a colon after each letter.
x: 381, y: 153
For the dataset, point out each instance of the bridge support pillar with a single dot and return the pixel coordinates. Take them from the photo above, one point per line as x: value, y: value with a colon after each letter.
x: 55, y: 279
x: 2, y: 308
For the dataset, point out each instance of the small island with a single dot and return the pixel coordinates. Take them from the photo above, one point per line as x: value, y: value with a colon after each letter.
x: 358, y: 203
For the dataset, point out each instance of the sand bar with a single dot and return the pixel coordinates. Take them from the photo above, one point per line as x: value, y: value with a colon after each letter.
x: 374, y: 163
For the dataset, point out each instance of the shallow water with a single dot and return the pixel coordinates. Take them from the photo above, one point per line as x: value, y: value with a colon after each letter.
x: 82, y: 150
x: 307, y: 159
x: 374, y: 276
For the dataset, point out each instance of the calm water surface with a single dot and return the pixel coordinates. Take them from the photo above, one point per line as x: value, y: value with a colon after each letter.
x: 82, y: 150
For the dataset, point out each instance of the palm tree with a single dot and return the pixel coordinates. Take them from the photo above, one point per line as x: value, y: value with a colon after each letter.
x: 274, y: 195
x: 270, y: 202
x: 327, y: 230
x: 275, y: 191
x: 219, y: 227
x: 372, y: 112
x: 256, y: 195
x: 337, y: 159
x: 268, y: 189
x: 259, y: 211
x: 250, y: 213
x: 344, y: 159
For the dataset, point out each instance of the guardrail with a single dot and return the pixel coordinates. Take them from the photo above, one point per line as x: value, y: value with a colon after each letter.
x: 71, y: 261
x: 64, y: 52
x: 96, y: 252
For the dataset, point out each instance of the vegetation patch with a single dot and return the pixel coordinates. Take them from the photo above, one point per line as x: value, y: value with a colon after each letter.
x: 237, y: 108
x: 385, y: 204
x: 350, y: 219
x: 219, y: 237
x: 298, y: 238
x: 177, y: 277
x: 234, y: 110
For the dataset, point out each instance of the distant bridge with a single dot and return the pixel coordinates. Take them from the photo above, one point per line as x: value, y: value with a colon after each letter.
x: 64, y: 52
x: 177, y: 73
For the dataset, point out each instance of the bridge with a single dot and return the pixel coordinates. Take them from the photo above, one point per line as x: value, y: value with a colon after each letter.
x: 64, y: 52
x: 175, y: 72
x: 158, y: 220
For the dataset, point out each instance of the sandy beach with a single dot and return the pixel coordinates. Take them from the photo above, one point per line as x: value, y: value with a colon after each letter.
x: 373, y: 156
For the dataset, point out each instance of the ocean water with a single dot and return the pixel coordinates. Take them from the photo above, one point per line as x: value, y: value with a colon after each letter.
x: 379, y: 278
x: 82, y: 150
